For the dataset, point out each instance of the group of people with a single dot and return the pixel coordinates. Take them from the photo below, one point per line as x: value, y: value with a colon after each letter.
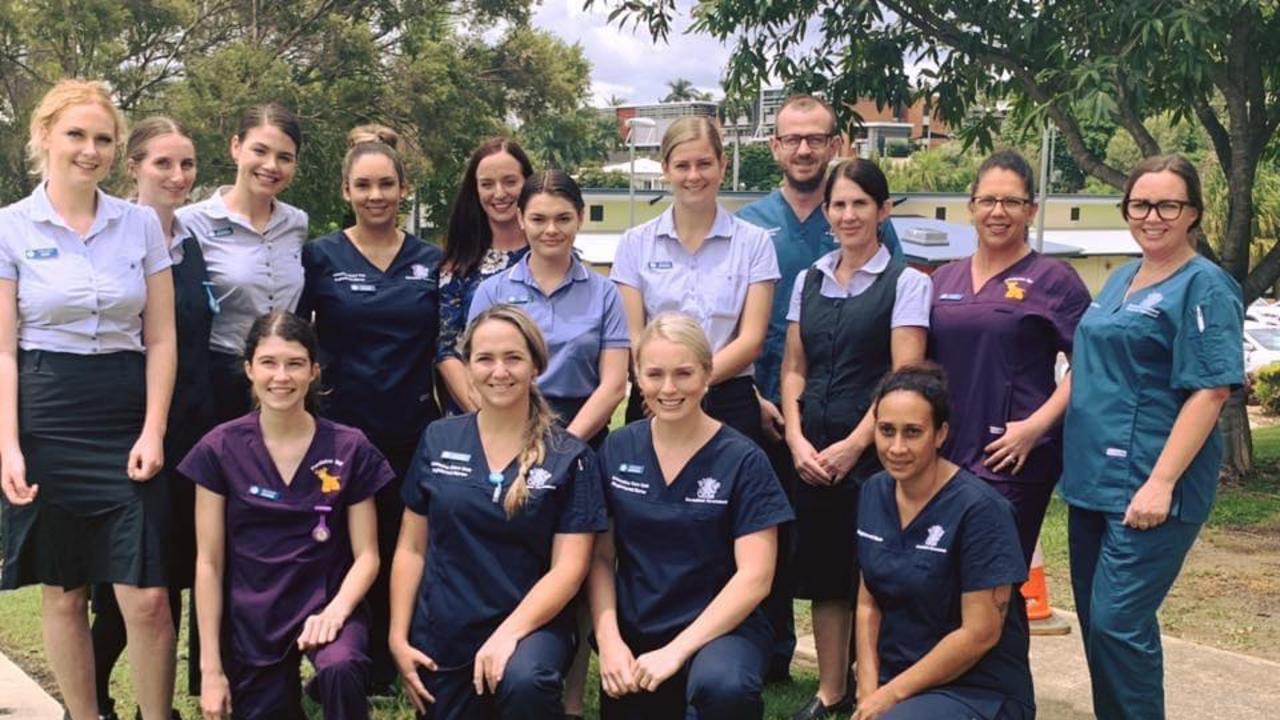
x: 196, y: 396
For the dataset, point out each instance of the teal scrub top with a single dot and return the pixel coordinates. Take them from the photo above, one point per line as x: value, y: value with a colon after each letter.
x: 1136, y: 360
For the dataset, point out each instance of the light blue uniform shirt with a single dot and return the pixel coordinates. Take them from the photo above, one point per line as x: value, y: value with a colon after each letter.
x: 911, y: 305
x: 710, y: 285
x: 580, y: 319
x: 252, y: 273
x: 798, y: 244
x: 82, y: 295
x: 1135, y: 362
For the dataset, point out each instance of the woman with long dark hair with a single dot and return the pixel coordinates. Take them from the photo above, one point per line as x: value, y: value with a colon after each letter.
x: 483, y: 238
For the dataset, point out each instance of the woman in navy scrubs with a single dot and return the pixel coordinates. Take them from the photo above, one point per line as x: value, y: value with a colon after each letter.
x: 578, y: 311
x: 1000, y: 319
x: 287, y: 543
x: 942, y: 633
x: 854, y: 314
x: 161, y: 158
x: 677, y: 582
x: 501, y: 510
x: 86, y: 373
x: 483, y: 238
x: 252, y: 244
x: 372, y: 291
x: 1156, y: 356
x: 697, y: 258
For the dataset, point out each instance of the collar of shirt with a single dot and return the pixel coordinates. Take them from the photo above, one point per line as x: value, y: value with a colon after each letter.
x: 722, y: 227
x: 217, y: 208
x: 876, y: 265
x: 42, y: 210
x: 520, y: 273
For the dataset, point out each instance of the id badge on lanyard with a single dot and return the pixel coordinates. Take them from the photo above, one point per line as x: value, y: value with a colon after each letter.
x: 321, y: 532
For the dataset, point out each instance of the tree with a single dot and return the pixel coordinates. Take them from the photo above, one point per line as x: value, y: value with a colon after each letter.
x: 567, y: 140
x: 757, y: 170
x: 444, y: 73
x: 682, y: 90
x: 1068, y: 62
x: 592, y: 176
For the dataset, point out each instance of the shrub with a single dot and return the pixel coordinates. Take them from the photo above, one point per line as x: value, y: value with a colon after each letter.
x: 1267, y: 387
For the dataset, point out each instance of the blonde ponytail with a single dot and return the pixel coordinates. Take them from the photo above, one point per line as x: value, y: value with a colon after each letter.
x: 541, y: 421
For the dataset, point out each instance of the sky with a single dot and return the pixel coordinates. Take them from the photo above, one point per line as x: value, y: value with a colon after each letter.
x: 627, y: 63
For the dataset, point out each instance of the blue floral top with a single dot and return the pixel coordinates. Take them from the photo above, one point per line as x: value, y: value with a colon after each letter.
x: 456, y: 293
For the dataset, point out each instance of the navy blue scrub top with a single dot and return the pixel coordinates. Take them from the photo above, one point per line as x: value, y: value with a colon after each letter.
x: 377, y: 334
x: 674, y: 543
x: 965, y: 539
x: 480, y: 563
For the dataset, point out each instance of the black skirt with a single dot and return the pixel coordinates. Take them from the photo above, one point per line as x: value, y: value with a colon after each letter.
x: 78, y: 418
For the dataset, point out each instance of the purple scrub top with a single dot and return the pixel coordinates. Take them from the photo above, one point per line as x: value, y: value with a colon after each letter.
x: 277, y: 572
x: 999, y: 347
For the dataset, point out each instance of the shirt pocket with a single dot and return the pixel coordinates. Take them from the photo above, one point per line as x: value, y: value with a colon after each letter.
x: 726, y: 295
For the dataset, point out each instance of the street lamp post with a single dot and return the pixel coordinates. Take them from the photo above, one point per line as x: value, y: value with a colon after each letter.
x: 632, y: 124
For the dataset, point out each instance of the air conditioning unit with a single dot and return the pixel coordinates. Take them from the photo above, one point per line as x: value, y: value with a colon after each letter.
x: 925, y: 236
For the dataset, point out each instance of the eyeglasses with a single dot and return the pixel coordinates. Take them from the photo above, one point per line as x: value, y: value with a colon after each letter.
x: 1165, y: 209
x: 1011, y: 204
x: 816, y: 142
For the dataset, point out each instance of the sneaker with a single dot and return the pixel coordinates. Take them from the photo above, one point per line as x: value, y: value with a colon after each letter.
x: 815, y: 710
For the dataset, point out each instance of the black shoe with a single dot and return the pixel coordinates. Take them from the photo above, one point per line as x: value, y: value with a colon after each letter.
x: 815, y: 710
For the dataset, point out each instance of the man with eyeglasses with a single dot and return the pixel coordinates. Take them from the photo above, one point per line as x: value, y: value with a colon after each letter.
x: 805, y: 142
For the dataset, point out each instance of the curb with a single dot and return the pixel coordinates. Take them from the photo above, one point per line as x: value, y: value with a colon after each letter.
x: 21, y: 697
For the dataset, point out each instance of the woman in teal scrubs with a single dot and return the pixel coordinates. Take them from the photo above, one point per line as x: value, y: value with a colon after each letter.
x: 1156, y: 355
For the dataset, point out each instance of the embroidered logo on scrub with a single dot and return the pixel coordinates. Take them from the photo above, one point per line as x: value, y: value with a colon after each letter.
x: 418, y: 271
x: 330, y: 481
x: 538, y: 479
x: 932, y: 539
x: 1147, y: 306
x: 708, y: 488
x: 1014, y: 291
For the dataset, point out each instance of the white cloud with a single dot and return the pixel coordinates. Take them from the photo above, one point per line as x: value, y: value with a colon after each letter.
x: 629, y: 64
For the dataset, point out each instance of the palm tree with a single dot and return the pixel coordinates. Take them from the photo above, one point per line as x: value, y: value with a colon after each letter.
x: 682, y: 91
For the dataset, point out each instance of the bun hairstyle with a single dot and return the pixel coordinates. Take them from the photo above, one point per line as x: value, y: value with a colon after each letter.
x: 66, y: 94
x: 541, y: 417
x: 373, y: 140
x: 690, y: 129
x: 286, y: 326
x: 863, y: 173
x: 926, y: 379
x: 1012, y: 161
x: 148, y: 129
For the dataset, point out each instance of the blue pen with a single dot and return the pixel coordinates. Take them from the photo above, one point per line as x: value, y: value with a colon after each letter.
x: 496, y: 479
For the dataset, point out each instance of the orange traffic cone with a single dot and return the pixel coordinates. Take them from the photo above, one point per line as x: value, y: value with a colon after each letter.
x: 1036, y: 593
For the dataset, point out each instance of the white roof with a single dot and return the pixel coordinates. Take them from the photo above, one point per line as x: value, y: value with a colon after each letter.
x: 1095, y: 242
x: 644, y: 166
x: 597, y: 248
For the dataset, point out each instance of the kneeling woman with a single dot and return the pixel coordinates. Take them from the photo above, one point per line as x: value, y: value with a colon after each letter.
x: 501, y: 509
x: 676, y: 583
x: 938, y: 634
x: 286, y: 541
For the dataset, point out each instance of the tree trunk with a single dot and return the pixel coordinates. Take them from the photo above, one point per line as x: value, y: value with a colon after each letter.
x: 1237, y: 458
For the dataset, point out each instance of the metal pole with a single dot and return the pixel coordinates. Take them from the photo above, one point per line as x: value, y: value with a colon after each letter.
x: 631, y: 179
x: 736, y: 142
x: 1046, y: 149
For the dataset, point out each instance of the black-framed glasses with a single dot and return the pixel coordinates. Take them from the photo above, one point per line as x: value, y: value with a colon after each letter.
x: 815, y: 141
x: 1011, y: 204
x: 1165, y: 209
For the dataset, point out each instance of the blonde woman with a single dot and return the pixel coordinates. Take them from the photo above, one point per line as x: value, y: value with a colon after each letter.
x: 84, y: 279
x: 502, y: 508
x: 698, y: 259
x: 677, y: 581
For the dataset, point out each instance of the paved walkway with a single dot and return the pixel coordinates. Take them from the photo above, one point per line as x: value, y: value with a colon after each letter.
x: 21, y: 697
x: 1200, y: 682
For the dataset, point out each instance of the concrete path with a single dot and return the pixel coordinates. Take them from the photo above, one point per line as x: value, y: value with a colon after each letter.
x: 1200, y: 682
x: 21, y: 698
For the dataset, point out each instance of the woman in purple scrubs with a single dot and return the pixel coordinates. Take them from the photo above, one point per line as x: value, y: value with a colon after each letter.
x: 287, y: 541
x: 1000, y: 318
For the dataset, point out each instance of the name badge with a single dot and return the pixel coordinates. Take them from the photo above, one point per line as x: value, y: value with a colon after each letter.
x: 951, y: 297
x: 660, y: 265
x: 631, y: 469
x: 455, y: 456
x: 363, y: 288
x: 516, y: 300
x: 42, y: 253
x: 222, y: 232
x: 262, y: 492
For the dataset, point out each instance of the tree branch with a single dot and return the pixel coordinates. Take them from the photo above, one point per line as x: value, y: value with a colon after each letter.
x: 1217, y: 133
x: 1131, y: 121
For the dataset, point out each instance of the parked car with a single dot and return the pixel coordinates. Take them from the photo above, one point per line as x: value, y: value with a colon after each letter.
x: 1261, y: 345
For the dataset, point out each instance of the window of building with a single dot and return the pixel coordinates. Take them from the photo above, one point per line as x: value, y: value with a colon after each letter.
x: 1075, y: 214
x: 940, y: 213
x: 597, y: 213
